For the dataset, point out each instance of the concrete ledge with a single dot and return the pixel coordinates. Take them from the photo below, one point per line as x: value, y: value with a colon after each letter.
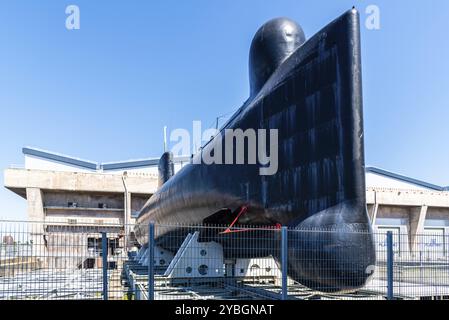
x: 402, y: 197
x: 17, y: 179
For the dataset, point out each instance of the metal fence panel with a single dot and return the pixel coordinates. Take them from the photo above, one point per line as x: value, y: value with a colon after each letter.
x: 43, y: 260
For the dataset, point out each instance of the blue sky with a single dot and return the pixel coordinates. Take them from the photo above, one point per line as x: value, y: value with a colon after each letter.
x: 104, y: 92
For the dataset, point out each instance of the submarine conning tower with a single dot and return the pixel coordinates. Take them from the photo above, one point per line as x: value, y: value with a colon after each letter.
x: 274, y: 42
x: 311, y: 93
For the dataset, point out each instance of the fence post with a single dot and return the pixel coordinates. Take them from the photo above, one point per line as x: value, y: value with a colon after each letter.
x: 284, y: 252
x: 390, y: 265
x: 104, y: 252
x: 151, y: 261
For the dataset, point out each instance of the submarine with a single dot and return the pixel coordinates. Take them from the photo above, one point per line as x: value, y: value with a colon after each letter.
x: 310, y: 92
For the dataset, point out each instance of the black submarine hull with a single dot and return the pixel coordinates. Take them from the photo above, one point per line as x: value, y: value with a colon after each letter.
x: 314, y: 100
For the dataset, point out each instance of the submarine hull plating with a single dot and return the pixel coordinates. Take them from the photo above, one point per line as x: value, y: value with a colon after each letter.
x: 314, y: 100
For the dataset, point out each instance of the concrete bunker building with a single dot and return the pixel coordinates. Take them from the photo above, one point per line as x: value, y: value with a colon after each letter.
x: 68, y: 193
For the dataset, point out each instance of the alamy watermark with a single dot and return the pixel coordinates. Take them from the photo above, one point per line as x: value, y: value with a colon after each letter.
x: 229, y: 146
x: 372, y: 21
x: 73, y: 19
x: 72, y: 22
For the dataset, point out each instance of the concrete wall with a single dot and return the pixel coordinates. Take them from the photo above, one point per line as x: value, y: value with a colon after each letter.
x: 79, y: 181
x: 49, y: 192
x: 85, y: 200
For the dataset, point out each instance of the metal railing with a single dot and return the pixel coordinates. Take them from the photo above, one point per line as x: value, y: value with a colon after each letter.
x: 50, y: 260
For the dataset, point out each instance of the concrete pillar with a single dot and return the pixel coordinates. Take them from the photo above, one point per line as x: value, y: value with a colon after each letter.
x: 35, y: 204
x: 417, y: 219
x: 36, y: 216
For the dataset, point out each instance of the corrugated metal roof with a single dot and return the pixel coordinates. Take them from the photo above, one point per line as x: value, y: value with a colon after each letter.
x: 60, y: 158
x: 405, y: 179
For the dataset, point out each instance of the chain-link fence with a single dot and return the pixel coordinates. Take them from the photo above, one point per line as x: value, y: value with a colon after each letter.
x: 42, y: 260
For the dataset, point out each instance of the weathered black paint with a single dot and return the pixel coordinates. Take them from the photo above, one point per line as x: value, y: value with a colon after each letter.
x: 314, y: 99
x: 166, y: 168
